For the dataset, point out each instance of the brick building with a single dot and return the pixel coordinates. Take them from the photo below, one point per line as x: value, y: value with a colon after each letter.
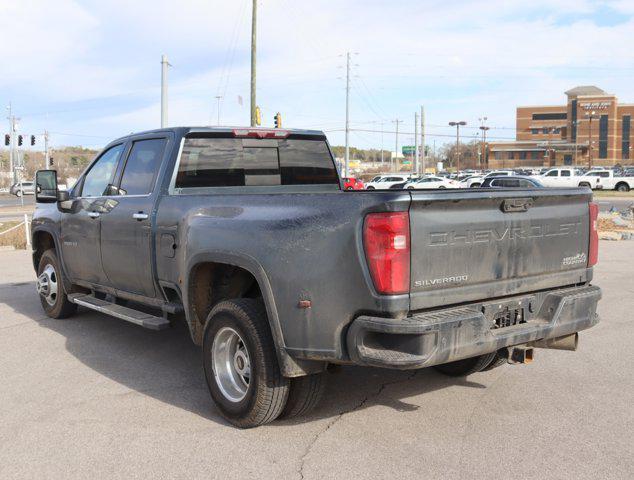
x: 592, y: 128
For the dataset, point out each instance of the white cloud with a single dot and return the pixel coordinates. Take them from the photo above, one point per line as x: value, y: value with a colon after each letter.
x: 461, y: 59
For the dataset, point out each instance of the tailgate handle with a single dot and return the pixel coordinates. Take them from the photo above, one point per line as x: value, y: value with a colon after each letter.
x: 517, y: 204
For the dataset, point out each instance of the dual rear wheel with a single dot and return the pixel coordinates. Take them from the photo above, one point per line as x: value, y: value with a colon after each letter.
x: 242, y: 370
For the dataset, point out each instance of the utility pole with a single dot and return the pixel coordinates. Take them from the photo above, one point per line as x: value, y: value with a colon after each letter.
x: 254, y: 23
x: 347, y: 156
x: 47, y: 165
x: 484, y: 128
x: 218, y: 97
x: 422, y: 137
x: 164, y: 65
x: 415, y: 159
x: 10, y: 118
x: 382, y: 143
x: 394, y: 160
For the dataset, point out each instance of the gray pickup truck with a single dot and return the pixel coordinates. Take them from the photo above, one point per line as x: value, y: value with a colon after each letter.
x: 248, y: 236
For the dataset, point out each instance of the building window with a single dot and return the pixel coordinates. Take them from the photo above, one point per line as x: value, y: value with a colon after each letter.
x: 534, y: 131
x: 573, y: 132
x: 603, y: 136
x: 545, y: 130
x: 550, y: 116
x: 557, y: 131
x: 510, y: 155
x: 497, y: 155
x: 533, y: 155
x: 625, y: 135
x: 522, y: 155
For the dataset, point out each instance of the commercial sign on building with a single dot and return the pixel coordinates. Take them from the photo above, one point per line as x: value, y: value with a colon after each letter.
x: 595, y: 105
x: 409, y: 149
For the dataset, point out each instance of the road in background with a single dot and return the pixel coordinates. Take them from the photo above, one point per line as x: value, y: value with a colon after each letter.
x: 7, y: 200
x: 93, y: 396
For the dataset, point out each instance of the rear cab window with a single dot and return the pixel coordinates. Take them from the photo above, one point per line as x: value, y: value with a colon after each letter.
x: 208, y: 160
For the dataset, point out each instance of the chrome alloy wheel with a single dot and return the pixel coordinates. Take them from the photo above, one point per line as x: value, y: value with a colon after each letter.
x: 231, y: 364
x: 47, y: 284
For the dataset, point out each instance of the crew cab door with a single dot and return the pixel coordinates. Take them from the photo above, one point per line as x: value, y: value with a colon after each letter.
x: 126, y: 231
x: 81, y: 222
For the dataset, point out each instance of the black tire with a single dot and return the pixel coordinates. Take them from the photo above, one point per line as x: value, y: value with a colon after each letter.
x: 349, y: 188
x: 497, y: 361
x: 59, y: 306
x: 410, y: 188
x: 267, y: 389
x: 622, y: 187
x: 442, y: 188
x: 304, y: 395
x: 370, y: 188
x: 467, y: 366
x: 585, y: 184
x: 475, y: 185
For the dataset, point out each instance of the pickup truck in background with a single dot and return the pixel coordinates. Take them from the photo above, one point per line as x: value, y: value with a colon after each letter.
x: 606, y: 180
x: 561, y: 177
x: 247, y: 236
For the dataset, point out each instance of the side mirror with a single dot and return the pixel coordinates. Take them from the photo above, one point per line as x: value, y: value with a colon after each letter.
x: 46, y: 186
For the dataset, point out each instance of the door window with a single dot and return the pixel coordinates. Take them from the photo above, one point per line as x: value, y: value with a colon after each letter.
x: 565, y: 173
x: 100, y: 175
x: 552, y: 173
x: 141, y: 167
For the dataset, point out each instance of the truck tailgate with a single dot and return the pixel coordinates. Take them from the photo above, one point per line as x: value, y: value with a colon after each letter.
x: 470, y: 245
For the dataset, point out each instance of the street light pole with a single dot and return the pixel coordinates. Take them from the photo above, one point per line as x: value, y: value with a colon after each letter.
x: 254, y: 24
x: 591, y: 115
x: 218, y: 97
x: 457, y: 125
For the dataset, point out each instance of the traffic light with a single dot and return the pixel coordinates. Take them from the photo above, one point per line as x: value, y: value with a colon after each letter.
x: 258, y: 116
x: 20, y: 139
x: 32, y: 140
x: 50, y: 161
x: 278, y: 120
x: 7, y: 139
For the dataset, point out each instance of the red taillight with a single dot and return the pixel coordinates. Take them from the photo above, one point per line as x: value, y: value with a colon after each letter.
x: 593, y: 247
x: 387, y: 250
x: 260, y: 133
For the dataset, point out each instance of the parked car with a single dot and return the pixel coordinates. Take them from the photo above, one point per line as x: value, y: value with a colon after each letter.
x: 24, y: 188
x: 386, y: 181
x: 430, y: 182
x: 248, y: 235
x: 477, y: 180
x: 515, y: 181
x: 606, y: 180
x: 352, y: 184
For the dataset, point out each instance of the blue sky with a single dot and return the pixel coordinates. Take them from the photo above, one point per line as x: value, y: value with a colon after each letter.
x: 89, y: 71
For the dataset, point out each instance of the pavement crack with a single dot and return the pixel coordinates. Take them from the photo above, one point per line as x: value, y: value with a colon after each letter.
x: 340, y: 415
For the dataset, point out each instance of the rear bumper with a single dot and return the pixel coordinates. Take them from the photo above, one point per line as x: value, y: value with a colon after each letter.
x: 441, y: 336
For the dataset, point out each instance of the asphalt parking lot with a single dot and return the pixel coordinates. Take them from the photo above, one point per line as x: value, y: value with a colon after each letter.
x: 95, y: 397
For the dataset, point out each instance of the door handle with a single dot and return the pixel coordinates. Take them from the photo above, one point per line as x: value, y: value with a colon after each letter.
x: 140, y: 216
x: 94, y: 214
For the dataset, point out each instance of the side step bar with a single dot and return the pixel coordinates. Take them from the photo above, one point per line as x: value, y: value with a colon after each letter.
x: 119, y: 311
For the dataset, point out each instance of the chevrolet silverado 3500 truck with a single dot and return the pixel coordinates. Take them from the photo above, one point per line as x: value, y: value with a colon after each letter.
x: 279, y: 272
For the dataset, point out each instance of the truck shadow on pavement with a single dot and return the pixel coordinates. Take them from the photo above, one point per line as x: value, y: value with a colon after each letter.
x: 167, y: 366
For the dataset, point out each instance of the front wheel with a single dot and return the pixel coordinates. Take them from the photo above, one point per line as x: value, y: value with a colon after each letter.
x: 622, y: 187
x: 474, y: 185
x: 50, y: 287
x: 240, y: 364
x: 18, y: 193
x: 370, y: 188
x: 585, y: 184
